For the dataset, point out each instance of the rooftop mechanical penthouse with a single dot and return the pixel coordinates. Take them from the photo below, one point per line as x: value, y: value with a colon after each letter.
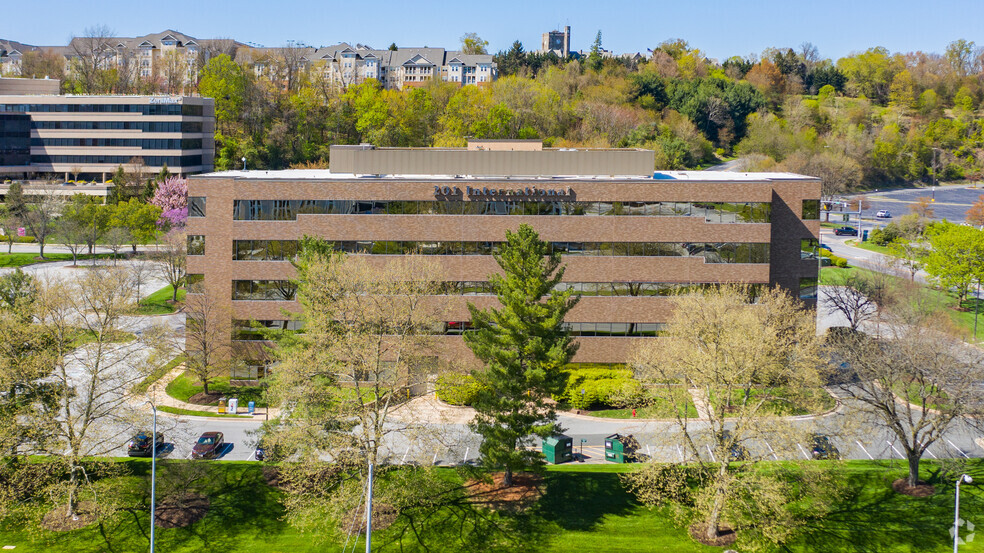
x: 629, y: 237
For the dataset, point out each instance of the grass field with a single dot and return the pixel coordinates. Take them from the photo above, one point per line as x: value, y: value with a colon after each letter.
x: 870, y: 247
x: 144, y: 385
x: 584, y: 508
x: 22, y: 259
x: 158, y: 303
x: 195, y: 413
x: 185, y: 386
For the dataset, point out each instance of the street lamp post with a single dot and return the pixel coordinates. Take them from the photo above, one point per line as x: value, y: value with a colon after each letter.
x: 153, y: 476
x: 244, y: 163
x: 956, y: 511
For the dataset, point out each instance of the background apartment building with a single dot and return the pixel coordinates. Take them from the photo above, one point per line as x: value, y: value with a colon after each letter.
x: 92, y: 136
x: 346, y: 65
x: 628, y: 237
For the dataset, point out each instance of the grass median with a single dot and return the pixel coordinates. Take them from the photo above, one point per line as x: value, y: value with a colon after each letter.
x: 159, y: 303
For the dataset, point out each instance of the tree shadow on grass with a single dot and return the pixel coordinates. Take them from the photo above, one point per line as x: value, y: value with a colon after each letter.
x: 872, y: 517
x: 580, y: 500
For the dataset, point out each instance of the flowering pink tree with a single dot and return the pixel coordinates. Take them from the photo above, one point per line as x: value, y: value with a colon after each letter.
x: 172, y: 197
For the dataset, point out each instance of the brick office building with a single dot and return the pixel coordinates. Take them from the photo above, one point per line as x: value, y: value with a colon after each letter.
x: 629, y: 237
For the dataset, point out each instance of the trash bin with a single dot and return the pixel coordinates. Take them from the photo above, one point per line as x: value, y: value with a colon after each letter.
x: 233, y: 406
x: 558, y: 449
x: 620, y: 449
x: 222, y: 405
x: 250, y: 407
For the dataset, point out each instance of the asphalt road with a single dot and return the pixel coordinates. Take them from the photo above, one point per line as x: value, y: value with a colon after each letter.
x: 951, y: 202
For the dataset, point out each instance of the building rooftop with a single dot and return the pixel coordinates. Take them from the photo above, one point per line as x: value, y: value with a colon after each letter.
x: 325, y: 174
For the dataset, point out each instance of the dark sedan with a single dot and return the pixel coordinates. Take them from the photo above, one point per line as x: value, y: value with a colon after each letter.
x: 823, y: 448
x: 846, y: 231
x: 139, y: 445
x: 208, y: 446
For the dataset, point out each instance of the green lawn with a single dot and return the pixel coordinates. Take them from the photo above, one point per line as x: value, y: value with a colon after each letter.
x: 870, y: 247
x: 584, y: 508
x: 661, y: 408
x: 185, y: 386
x: 158, y: 303
x: 22, y: 259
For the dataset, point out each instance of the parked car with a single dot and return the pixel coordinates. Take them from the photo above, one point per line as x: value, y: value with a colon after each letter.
x: 737, y: 452
x: 208, y: 446
x: 846, y: 231
x: 825, y: 247
x: 139, y: 445
x: 883, y: 214
x: 822, y: 448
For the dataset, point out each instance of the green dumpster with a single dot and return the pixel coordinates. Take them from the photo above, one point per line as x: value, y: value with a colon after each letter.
x: 558, y: 449
x: 620, y: 449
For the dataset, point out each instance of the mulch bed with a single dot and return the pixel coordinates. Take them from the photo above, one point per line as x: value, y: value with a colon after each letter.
x: 201, y: 399
x: 922, y: 489
x: 181, y: 510
x: 525, y: 490
x: 56, y: 520
x: 726, y: 537
x: 383, y: 516
x: 271, y: 475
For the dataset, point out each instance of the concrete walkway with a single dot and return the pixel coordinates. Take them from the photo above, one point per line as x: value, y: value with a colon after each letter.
x: 158, y: 394
x: 700, y: 403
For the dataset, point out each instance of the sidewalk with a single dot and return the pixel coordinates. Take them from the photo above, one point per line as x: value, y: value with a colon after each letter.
x: 158, y: 394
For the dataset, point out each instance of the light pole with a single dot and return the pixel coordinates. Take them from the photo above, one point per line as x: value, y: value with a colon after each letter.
x: 956, y: 511
x: 244, y: 163
x: 153, y: 475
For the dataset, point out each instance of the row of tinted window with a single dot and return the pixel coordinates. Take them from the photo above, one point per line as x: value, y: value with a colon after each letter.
x: 271, y: 290
x: 145, y: 109
x: 155, y: 161
x: 288, y: 210
x: 144, y: 143
x: 145, y: 126
x: 712, y: 252
x: 254, y: 330
x: 284, y: 290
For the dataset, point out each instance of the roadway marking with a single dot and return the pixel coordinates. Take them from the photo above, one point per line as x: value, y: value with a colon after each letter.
x: 772, y: 451
x: 807, y: 457
x: 864, y: 450
x: 713, y: 460
x: 960, y: 451
x: 892, y: 445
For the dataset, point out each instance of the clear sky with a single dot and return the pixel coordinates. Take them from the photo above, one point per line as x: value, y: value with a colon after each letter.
x: 720, y: 28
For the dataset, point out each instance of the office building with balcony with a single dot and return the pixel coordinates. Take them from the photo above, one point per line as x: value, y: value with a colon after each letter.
x: 629, y: 237
x: 91, y: 136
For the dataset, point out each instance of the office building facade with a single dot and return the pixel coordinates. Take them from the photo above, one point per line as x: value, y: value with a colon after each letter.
x: 93, y: 135
x: 628, y: 237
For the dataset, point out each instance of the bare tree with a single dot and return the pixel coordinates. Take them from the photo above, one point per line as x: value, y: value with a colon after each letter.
x: 916, y: 380
x: 140, y: 271
x: 174, y: 70
x: 721, y: 349
x: 208, y: 343
x: 44, y: 207
x: 116, y: 239
x: 95, y: 404
x: 91, y: 54
x: 857, y: 299
x: 170, y: 259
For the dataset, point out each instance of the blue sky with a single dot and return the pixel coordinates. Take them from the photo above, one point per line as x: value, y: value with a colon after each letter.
x: 718, y: 27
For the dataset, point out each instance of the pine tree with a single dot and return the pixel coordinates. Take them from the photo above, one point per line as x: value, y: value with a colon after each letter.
x: 523, y: 345
x: 16, y: 205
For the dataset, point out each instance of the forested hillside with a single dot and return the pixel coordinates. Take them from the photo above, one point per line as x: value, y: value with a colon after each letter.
x: 867, y: 120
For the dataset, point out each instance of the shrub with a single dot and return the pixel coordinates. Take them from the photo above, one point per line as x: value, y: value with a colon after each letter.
x: 877, y: 237
x: 835, y: 260
x: 457, y: 389
x: 593, y: 387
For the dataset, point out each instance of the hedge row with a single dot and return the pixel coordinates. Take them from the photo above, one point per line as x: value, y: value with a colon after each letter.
x: 835, y: 260
x: 457, y: 389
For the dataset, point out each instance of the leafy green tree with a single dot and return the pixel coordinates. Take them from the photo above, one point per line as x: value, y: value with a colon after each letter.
x: 17, y: 290
x: 957, y: 257
x: 139, y: 218
x: 14, y: 200
x: 9, y: 223
x: 471, y: 43
x: 393, y: 47
x: 524, y: 346
x: 512, y: 60
x: 91, y: 217
x: 223, y: 79
x: 594, y: 57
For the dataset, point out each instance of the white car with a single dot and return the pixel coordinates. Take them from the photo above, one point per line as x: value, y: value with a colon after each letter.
x: 883, y: 214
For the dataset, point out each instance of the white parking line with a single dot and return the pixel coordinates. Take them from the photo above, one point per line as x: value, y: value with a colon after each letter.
x: 772, y: 451
x: 864, y: 450
x: 960, y: 451
x: 250, y: 458
x: 931, y: 454
x: 680, y: 451
x: 897, y: 452
x: 713, y: 460
x: 805, y: 456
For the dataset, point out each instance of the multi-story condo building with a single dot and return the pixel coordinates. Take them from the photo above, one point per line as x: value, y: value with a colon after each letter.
x: 94, y: 135
x: 629, y: 237
x: 346, y: 65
